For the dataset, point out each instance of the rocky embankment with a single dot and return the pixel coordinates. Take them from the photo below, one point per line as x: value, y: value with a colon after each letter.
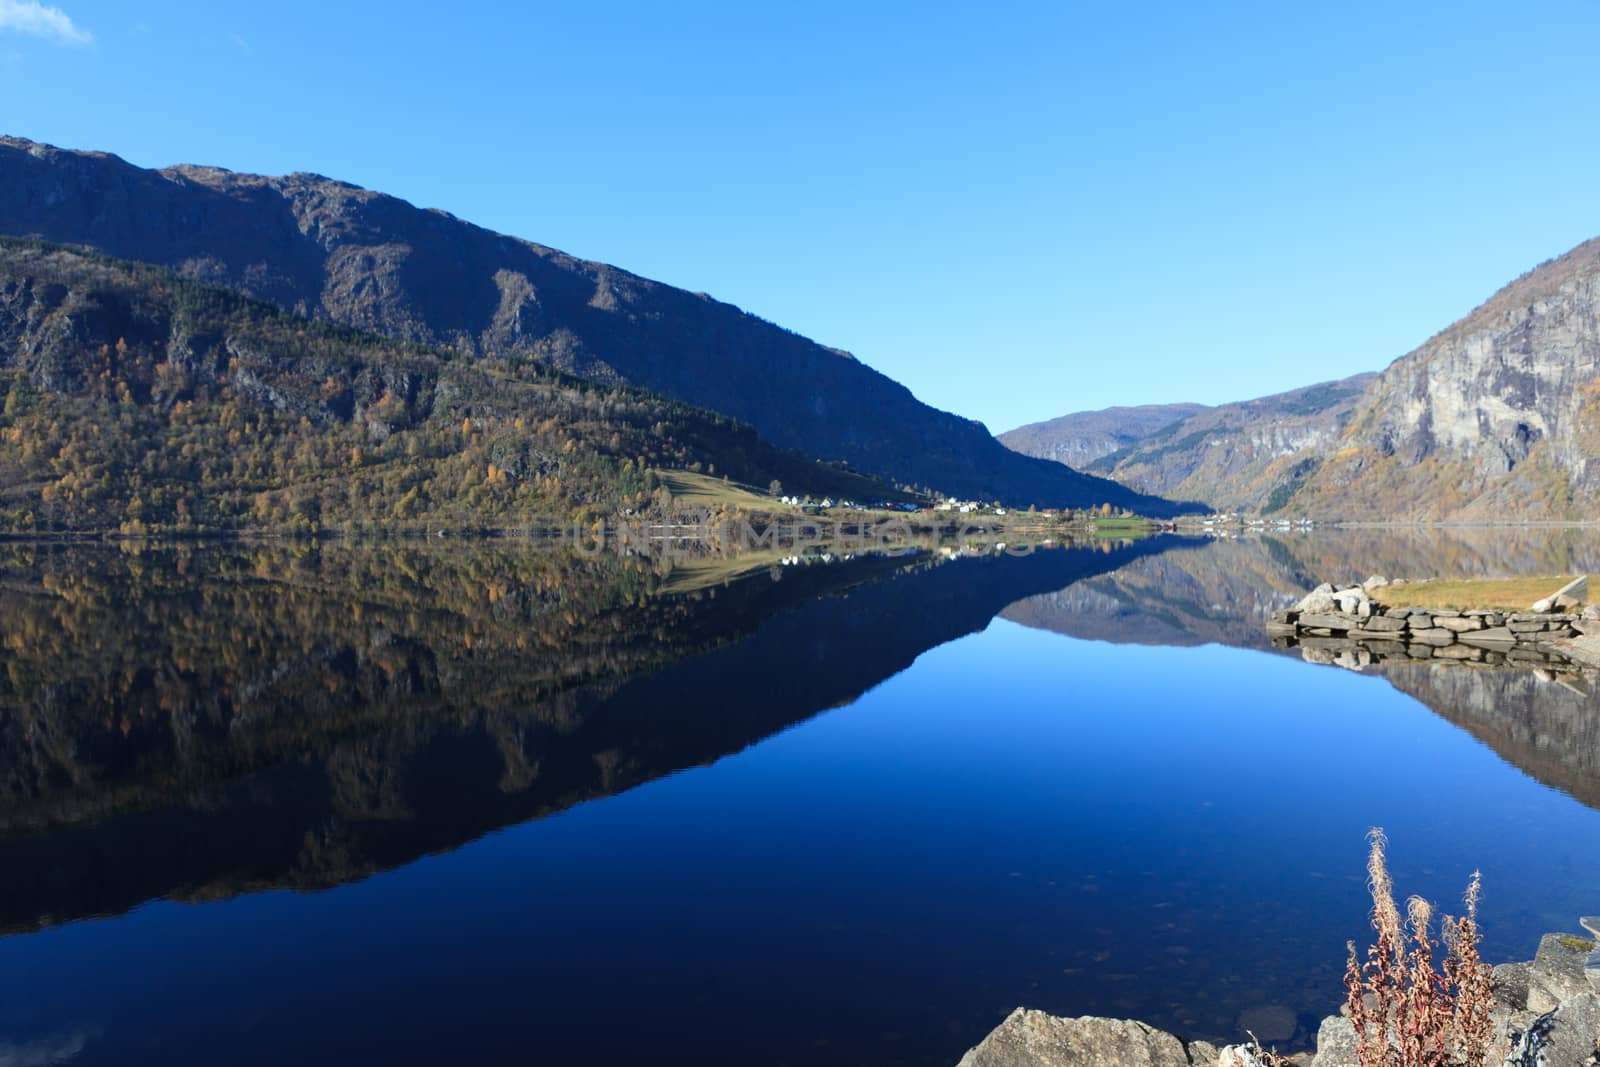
x: 1547, y: 1012
x: 1349, y: 627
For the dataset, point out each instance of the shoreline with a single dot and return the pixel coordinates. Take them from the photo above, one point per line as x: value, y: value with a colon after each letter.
x: 1545, y: 1011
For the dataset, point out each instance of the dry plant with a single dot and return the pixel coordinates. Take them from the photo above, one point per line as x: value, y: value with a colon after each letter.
x: 1406, y: 1012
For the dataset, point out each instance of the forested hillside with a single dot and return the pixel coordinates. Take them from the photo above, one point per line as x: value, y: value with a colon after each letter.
x: 133, y: 399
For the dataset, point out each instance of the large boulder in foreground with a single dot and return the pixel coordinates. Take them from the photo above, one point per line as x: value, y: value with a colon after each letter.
x: 1036, y: 1039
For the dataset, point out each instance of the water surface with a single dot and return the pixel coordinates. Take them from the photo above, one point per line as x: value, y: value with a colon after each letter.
x: 266, y: 804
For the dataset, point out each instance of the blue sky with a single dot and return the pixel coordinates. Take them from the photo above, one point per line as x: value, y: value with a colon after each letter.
x: 1019, y: 210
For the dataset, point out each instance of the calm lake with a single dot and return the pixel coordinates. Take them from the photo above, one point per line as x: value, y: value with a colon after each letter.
x: 267, y: 804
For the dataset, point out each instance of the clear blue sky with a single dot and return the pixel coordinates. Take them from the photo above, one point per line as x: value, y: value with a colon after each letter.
x: 1019, y: 210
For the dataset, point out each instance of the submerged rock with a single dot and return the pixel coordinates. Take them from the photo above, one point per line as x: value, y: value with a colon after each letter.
x: 1269, y: 1023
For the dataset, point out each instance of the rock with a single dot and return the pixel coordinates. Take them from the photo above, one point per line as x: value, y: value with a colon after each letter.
x: 1349, y: 602
x: 1494, y: 635
x: 1400, y: 581
x: 1564, y: 1037
x: 1327, y: 622
x: 1527, y: 626
x: 1240, y: 1056
x: 1364, y: 609
x: 1324, y: 588
x: 1542, y: 606
x: 1400, y: 613
x: 1036, y: 1039
x: 1419, y: 651
x: 1336, y: 1043
x: 1377, y: 581
x: 1435, y: 636
x: 1442, y: 613
x: 1460, y: 624
x: 1459, y: 651
x: 1384, y: 623
x: 1558, y: 973
x: 1512, y: 982
x: 1574, y: 592
x: 1592, y: 613
x: 1419, y: 620
x: 1317, y: 603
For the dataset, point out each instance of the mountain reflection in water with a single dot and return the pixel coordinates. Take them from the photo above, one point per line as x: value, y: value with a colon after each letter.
x: 210, y: 723
x: 199, y: 723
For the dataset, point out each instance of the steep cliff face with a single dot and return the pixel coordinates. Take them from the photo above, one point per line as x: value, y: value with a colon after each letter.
x: 330, y: 250
x: 1497, y: 417
x: 1230, y: 456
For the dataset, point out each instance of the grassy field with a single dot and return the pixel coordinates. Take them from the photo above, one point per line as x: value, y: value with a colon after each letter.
x: 702, y: 489
x: 1499, y: 594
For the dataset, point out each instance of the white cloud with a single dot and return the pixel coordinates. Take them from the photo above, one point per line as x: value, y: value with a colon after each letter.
x: 39, y: 20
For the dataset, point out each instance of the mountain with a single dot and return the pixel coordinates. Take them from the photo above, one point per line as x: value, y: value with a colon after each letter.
x: 132, y: 398
x: 1495, y: 418
x: 1082, y: 438
x: 329, y: 250
x: 1234, y: 455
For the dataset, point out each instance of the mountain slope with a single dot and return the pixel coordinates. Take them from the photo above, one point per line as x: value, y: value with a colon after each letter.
x: 1496, y: 417
x: 327, y: 249
x: 132, y: 398
x: 1233, y: 455
x: 1083, y: 437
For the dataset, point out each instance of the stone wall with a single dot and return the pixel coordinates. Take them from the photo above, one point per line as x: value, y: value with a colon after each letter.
x: 1350, y: 628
